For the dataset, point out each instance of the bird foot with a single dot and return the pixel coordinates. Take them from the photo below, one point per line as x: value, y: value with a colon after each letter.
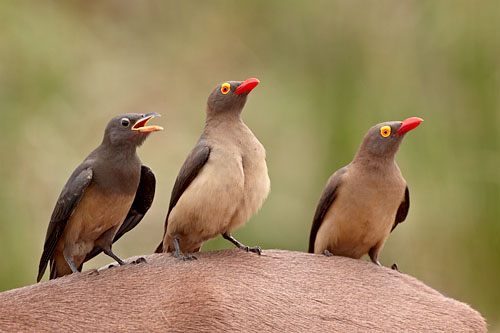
x: 94, y: 272
x: 139, y: 260
x: 328, y: 253
x: 255, y: 249
x: 395, y: 267
x: 180, y: 255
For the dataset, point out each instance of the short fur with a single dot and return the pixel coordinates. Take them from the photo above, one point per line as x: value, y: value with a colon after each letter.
x: 233, y: 291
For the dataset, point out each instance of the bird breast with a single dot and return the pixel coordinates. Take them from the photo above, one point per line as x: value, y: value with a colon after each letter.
x: 256, y: 185
x: 206, y: 206
x: 362, y: 214
x: 96, y: 213
x: 230, y: 187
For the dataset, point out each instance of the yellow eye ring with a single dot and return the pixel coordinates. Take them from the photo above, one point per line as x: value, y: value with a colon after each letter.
x: 385, y: 131
x: 225, y: 88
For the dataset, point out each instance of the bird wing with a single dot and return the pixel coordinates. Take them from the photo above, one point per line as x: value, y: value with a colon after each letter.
x: 189, y: 170
x: 142, y: 202
x: 327, y: 198
x: 66, y: 204
x: 403, y: 209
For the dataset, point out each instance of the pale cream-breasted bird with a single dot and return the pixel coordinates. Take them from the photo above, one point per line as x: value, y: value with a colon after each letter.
x: 223, y: 181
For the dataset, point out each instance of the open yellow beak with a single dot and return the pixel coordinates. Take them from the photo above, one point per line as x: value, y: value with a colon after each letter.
x: 141, y: 124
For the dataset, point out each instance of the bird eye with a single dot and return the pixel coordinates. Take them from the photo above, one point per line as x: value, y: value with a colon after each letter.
x: 225, y: 88
x: 385, y: 131
x: 125, y: 122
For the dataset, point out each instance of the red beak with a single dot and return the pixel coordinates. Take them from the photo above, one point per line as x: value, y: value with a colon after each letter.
x: 247, y: 85
x: 409, y: 124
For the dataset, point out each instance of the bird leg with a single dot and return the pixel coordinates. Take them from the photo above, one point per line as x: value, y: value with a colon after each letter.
x: 112, y: 255
x: 373, y: 254
x: 328, y: 253
x: 70, y: 262
x: 178, y: 253
x: 230, y: 238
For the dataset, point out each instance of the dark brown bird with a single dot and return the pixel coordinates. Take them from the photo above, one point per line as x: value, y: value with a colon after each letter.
x: 364, y: 201
x: 105, y: 197
x: 223, y: 181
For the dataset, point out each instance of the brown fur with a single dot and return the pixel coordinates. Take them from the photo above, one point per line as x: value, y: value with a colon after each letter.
x: 232, y: 290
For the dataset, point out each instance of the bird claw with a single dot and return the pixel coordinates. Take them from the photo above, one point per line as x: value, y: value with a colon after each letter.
x: 94, y: 272
x: 328, y: 253
x: 139, y: 260
x: 180, y: 255
x: 255, y: 249
x: 395, y: 267
x: 190, y: 257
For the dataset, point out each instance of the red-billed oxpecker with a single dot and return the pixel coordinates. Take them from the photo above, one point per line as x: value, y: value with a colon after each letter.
x: 364, y: 201
x: 223, y: 181
x: 106, y: 196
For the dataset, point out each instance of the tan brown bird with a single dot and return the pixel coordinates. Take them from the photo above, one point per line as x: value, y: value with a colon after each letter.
x: 223, y: 181
x: 106, y: 196
x: 364, y: 201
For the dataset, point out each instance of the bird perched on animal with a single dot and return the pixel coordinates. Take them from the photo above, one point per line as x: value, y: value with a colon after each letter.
x: 223, y: 181
x: 106, y: 196
x: 364, y: 201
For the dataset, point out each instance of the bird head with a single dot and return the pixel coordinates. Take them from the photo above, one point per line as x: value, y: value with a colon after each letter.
x: 384, y: 139
x: 230, y: 96
x: 130, y: 129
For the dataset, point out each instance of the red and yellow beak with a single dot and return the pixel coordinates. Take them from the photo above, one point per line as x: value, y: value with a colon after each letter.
x: 247, y: 85
x: 141, y: 124
x: 409, y: 124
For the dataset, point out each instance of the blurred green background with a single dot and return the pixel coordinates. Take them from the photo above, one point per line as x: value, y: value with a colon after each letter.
x: 329, y: 70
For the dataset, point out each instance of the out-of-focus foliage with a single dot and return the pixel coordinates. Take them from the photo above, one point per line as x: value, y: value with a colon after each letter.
x: 329, y: 70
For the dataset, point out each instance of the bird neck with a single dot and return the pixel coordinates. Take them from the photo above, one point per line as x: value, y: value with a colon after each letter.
x: 116, y: 168
x: 215, y: 118
x: 120, y: 151
x: 368, y: 161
